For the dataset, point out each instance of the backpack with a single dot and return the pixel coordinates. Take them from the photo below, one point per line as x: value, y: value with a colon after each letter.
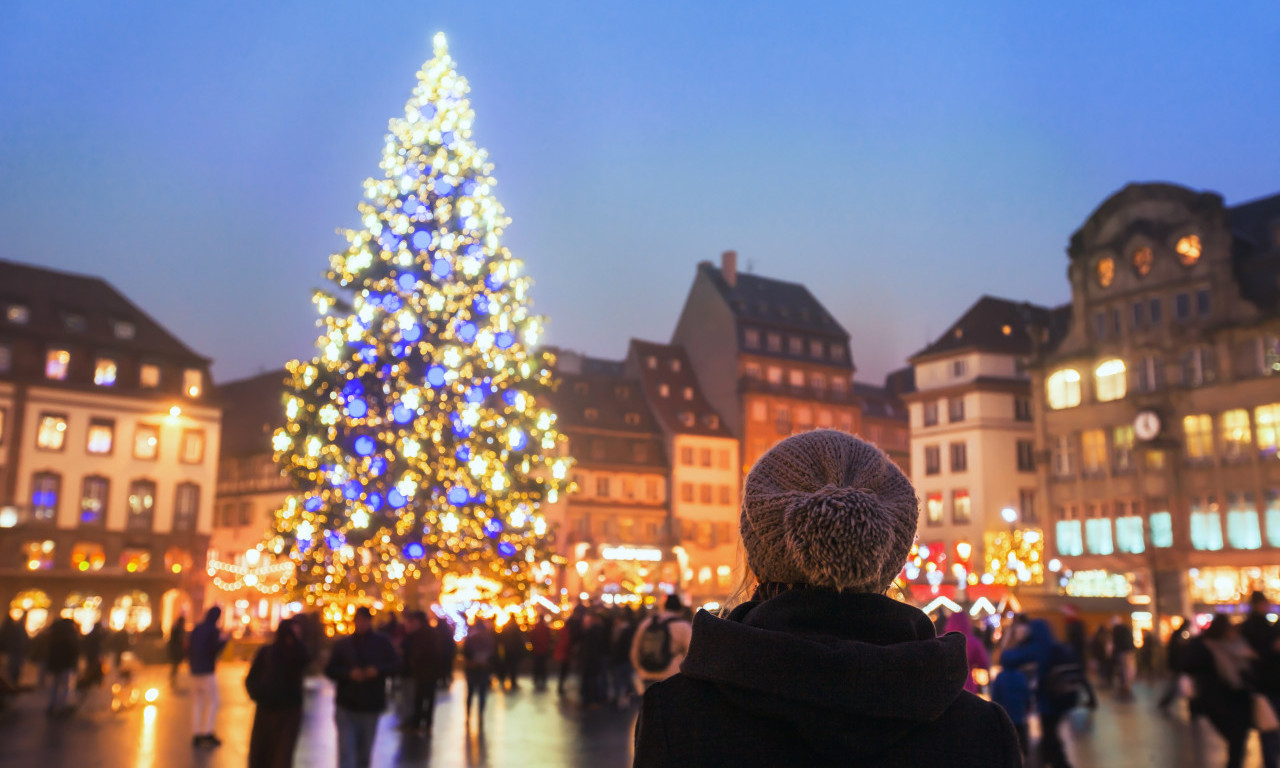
x: 1063, y: 682
x: 655, y: 646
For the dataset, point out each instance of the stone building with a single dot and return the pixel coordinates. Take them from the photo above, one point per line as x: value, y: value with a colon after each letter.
x: 769, y: 356
x: 108, y: 451
x: 1158, y: 413
x: 885, y: 417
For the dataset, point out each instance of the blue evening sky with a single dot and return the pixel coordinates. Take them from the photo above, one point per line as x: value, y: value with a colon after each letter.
x: 901, y: 159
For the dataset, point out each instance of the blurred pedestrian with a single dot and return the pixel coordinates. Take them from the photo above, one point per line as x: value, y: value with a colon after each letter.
x: 16, y: 644
x: 1263, y: 637
x: 593, y: 655
x: 1122, y: 657
x: 1175, y: 652
x: 62, y: 662
x: 274, y: 683
x: 567, y: 641
x: 1219, y: 662
x: 92, y: 648
x: 359, y: 665
x: 1012, y: 691
x: 975, y: 651
x: 1060, y: 683
x: 177, y: 645
x: 422, y: 659
x: 448, y: 649
x: 478, y: 651
x: 1100, y: 650
x: 207, y: 642
x: 820, y: 667
x: 1074, y: 632
x: 512, y: 644
x: 622, y: 675
x: 540, y: 649
x: 661, y: 642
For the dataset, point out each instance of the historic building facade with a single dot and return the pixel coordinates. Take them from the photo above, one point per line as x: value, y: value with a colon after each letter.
x: 108, y: 451
x: 770, y: 358
x: 972, y: 442
x: 1158, y: 413
x: 885, y: 419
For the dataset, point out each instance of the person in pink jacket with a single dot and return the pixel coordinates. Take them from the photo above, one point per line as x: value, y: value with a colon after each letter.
x: 977, y: 652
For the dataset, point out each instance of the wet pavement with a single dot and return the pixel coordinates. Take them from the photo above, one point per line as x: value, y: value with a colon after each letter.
x: 524, y: 729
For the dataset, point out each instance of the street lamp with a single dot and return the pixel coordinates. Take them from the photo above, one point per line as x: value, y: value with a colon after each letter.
x: 1010, y: 515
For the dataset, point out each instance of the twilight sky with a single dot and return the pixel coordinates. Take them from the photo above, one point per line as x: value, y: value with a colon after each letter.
x: 901, y: 159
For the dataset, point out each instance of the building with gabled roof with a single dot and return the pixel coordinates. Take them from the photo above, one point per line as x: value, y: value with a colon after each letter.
x: 109, y: 439
x: 768, y: 355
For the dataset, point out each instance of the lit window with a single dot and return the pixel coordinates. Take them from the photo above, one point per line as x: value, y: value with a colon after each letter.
x: 1243, y: 529
x: 752, y: 371
x: 751, y: 338
x: 1063, y: 389
x: 1093, y: 449
x: 142, y: 505
x: 1062, y: 455
x: 101, y: 436
x: 1070, y: 542
x: 688, y: 393
x: 817, y: 350
x: 93, y: 500
x: 933, y: 508
x: 1237, y: 438
x: 1267, y: 420
x: 1269, y: 355
x: 38, y: 555
x: 192, y: 381
x: 135, y: 560
x: 961, y: 512
x: 149, y: 376
x: 52, y: 434
x: 1142, y: 261
x: 773, y: 341
x: 1189, y: 250
x: 146, y: 442
x: 46, y: 487
x: 104, y: 372
x: 56, y: 362
x: 796, y: 379
x: 177, y: 560
x: 759, y: 410
x: 1122, y: 447
x: 1206, y: 525
x: 86, y: 556
x: 1097, y: 534
x: 1198, y: 434
x: 18, y: 314
x: 838, y: 385
x: 1273, y: 517
x: 1161, y: 524
x: 795, y: 345
x: 1106, y: 270
x: 123, y: 329
x: 818, y: 383
x: 663, y: 390
x: 675, y: 366
x: 1129, y: 538
x: 1109, y: 380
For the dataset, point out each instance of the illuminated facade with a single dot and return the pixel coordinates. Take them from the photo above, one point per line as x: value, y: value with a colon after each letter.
x: 771, y: 360
x: 108, y: 446
x: 1158, y: 414
x: 972, y: 445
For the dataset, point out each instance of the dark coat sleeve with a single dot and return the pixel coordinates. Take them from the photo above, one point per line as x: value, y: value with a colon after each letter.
x: 1007, y: 738
x: 651, y: 739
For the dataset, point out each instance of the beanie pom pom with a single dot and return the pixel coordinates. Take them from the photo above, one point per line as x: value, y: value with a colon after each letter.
x: 834, y: 534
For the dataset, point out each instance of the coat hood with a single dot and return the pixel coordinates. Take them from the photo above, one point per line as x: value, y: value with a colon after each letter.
x: 845, y: 671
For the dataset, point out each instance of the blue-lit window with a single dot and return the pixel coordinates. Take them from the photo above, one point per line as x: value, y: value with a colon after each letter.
x: 1097, y: 535
x: 1129, y: 536
x: 1273, y: 517
x: 1206, y: 526
x: 1161, y: 524
x: 1243, y: 530
x: 46, y: 487
x: 93, y: 500
x: 1069, y: 540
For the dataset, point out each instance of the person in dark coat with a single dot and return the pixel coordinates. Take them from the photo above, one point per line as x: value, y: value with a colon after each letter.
x: 1175, y: 652
x: 512, y: 642
x: 359, y: 666
x: 1046, y: 659
x: 448, y: 650
x: 16, y: 643
x: 478, y: 652
x: 567, y: 642
x: 1219, y: 662
x: 1122, y: 657
x: 593, y: 656
x: 540, y: 648
x: 422, y: 660
x: 62, y: 662
x: 177, y: 645
x: 820, y: 667
x: 92, y: 648
x: 207, y: 642
x: 1012, y: 691
x: 275, y: 683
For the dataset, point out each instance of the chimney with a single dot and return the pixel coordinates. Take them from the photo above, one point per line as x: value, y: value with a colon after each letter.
x: 729, y: 267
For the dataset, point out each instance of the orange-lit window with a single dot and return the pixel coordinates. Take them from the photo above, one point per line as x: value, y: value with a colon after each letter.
x: 1189, y: 250
x: 56, y: 362
x: 87, y: 557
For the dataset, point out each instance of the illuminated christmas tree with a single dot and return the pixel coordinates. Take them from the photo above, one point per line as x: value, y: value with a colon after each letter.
x: 419, y: 438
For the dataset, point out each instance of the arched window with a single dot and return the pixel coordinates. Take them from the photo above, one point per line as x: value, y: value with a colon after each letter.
x: 1062, y: 389
x: 1109, y: 380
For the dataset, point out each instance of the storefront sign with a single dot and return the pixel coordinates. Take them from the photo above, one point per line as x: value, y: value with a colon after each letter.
x: 624, y: 552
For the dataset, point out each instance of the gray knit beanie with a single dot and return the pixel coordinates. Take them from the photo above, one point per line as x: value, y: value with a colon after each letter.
x: 827, y: 509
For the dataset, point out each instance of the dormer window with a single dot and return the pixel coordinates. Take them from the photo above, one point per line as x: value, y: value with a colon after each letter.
x: 622, y: 392
x: 632, y: 418
x: 591, y: 414
x: 817, y: 350
x: 123, y: 330
x: 675, y: 365
x: 18, y: 314
x: 192, y: 382
x: 750, y: 340
x: 149, y: 376
x: 837, y: 352
x: 687, y: 419
x: 580, y: 388
x: 688, y: 393
x: 652, y: 362
x: 795, y: 345
x: 56, y: 362
x: 104, y: 372
x: 1189, y: 250
x: 774, y: 342
x: 713, y: 421
x: 73, y: 322
x: 664, y: 390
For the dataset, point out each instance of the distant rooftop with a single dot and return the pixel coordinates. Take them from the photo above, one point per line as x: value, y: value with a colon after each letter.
x: 253, y: 408
x: 673, y: 390
x: 1000, y: 326
x: 765, y: 301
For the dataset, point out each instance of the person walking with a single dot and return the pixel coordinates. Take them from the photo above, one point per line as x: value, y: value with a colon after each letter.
x: 661, y: 642
x: 1175, y: 652
x: 540, y: 649
x: 207, y: 642
x: 177, y: 645
x: 274, y: 683
x: 512, y: 642
x: 1100, y: 650
x: 975, y: 650
x: 622, y: 675
x: 92, y: 647
x: 1122, y: 657
x: 1060, y: 682
x: 1012, y: 691
x: 593, y: 655
x: 62, y: 661
x: 359, y: 665
x: 567, y: 641
x: 422, y: 659
x: 447, y: 647
x: 478, y: 651
x: 1263, y: 637
x: 820, y: 666
x: 1218, y: 662
x: 16, y: 643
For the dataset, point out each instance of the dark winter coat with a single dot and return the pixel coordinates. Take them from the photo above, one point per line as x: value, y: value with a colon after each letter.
x: 1262, y: 635
x: 1045, y: 652
x: 276, y: 675
x: 206, y: 644
x: 64, y: 646
x: 817, y: 678
x: 423, y: 654
x: 368, y: 649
